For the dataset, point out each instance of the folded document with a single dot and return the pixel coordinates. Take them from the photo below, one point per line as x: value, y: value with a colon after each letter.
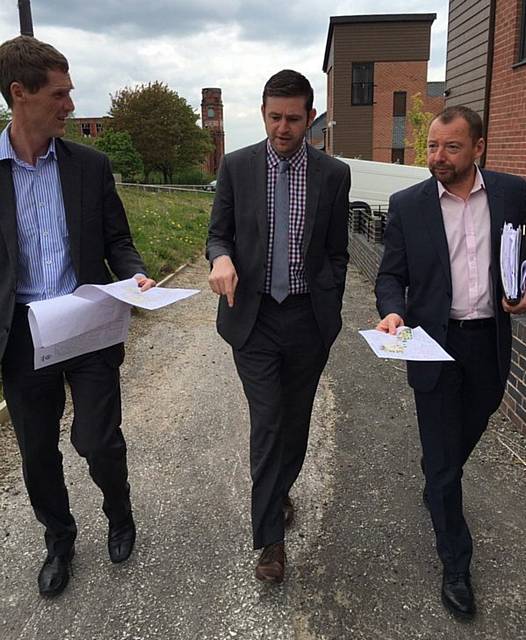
x: 512, y: 262
x: 93, y: 317
x: 407, y: 344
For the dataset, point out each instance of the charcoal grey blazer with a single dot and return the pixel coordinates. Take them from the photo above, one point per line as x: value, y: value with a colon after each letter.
x: 239, y: 229
x: 99, y: 235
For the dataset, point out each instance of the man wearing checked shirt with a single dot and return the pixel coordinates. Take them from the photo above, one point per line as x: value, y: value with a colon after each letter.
x: 277, y: 246
x: 61, y: 221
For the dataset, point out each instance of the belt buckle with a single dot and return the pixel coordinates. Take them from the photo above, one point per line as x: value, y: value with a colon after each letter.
x: 461, y: 324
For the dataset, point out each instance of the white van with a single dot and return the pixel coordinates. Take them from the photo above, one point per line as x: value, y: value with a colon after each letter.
x: 374, y: 182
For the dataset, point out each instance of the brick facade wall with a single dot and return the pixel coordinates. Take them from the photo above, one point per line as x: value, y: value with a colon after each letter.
x: 507, y: 111
x: 366, y: 255
x: 389, y: 77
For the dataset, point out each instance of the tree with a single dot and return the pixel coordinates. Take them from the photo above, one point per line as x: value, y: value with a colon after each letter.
x: 5, y: 117
x: 123, y: 155
x: 162, y: 126
x: 420, y: 121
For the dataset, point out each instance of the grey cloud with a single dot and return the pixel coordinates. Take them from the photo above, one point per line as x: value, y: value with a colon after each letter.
x: 289, y: 21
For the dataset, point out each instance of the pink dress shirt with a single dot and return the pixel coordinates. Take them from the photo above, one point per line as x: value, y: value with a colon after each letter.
x: 468, y: 231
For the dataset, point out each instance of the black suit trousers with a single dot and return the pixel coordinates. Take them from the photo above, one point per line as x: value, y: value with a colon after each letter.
x: 35, y: 399
x: 280, y: 366
x: 452, y: 418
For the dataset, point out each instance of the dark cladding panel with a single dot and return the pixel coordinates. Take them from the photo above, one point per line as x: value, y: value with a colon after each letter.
x: 382, y: 42
x: 467, y: 53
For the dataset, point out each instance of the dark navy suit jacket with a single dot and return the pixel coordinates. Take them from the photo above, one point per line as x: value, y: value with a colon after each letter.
x: 414, y: 279
x: 99, y: 235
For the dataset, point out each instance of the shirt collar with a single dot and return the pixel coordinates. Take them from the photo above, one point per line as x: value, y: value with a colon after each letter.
x: 296, y: 160
x: 477, y: 185
x: 8, y: 153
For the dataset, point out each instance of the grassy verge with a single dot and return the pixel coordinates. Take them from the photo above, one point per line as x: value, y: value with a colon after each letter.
x: 168, y: 229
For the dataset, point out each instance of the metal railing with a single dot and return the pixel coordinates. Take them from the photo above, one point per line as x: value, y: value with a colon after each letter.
x: 166, y: 187
x: 368, y: 222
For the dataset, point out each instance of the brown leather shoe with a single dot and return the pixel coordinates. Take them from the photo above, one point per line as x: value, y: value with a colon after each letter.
x: 288, y: 511
x: 271, y: 563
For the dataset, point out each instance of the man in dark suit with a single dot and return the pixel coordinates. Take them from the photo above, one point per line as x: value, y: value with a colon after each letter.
x: 61, y: 221
x: 278, y: 249
x: 440, y: 271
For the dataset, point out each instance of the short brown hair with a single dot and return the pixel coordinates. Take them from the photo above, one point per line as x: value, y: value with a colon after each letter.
x: 289, y: 84
x: 476, y: 128
x: 27, y: 60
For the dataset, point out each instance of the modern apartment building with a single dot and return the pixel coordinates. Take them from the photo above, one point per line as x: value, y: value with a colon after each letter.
x: 374, y: 65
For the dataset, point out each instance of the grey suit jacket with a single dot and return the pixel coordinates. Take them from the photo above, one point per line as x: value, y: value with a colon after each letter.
x: 239, y: 229
x: 98, y: 231
x: 414, y: 279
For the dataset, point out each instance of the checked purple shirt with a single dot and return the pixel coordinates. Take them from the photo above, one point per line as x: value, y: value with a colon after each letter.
x: 298, y: 196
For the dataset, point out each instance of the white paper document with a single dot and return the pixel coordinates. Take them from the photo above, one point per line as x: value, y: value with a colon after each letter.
x: 93, y: 317
x: 512, y: 271
x: 407, y: 344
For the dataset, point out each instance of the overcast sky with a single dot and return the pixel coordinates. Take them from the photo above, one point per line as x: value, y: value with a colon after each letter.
x: 232, y: 44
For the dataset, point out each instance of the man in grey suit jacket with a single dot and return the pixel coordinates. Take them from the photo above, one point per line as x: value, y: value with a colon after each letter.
x: 61, y: 222
x: 278, y: 249
x: 440, y: 271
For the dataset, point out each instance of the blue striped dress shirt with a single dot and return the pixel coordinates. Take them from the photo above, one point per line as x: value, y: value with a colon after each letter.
x: 45, y: 269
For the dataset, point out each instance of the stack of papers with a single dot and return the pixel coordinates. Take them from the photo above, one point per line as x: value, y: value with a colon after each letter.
x: 93, y: 317
x: 512, y: 267
x: 407, y: 344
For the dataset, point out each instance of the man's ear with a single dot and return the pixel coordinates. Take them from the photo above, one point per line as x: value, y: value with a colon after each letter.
x: 311, y: 117
x: 480, y: 145
x: 17, y: 91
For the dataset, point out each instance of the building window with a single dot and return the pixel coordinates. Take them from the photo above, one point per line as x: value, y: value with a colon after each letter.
x: 522, y: 49
x: 399, y: 103
x: 397, y: 156
x: 362, y: 83
x: 99, y: 127
x: 211, y: 112
x: 86, y: 129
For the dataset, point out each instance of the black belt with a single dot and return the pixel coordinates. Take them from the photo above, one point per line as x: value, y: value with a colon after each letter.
x: 478, y: 323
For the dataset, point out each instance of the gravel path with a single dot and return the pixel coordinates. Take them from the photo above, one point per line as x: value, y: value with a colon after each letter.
x: 361, y: 558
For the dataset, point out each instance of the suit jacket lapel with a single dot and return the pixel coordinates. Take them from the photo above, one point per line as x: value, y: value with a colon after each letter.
x: 497, y: 215
x: 433, y: 215
x: 259, y: 189
x: 71, y: 181
x: 313, y: 194
x: 8, y: 210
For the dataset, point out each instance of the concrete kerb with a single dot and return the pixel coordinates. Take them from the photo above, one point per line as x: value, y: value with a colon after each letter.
x: 4, y: 413
x: 171, y: 276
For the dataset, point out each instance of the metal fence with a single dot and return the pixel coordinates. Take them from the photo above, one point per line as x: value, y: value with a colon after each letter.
x: 167, y: 187
x: 368, y: 222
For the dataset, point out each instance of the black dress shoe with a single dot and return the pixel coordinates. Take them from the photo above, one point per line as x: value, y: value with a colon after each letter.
x: 54, y: 575
x: 288, y: 511
x: 121, y: 538
x: 457, y: 595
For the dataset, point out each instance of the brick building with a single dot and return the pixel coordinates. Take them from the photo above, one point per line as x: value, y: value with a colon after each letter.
x: 507, y: 107
x: 486, y: 70
x: 212, y: 119
x: 90, y: 127
x: 374, y: 65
